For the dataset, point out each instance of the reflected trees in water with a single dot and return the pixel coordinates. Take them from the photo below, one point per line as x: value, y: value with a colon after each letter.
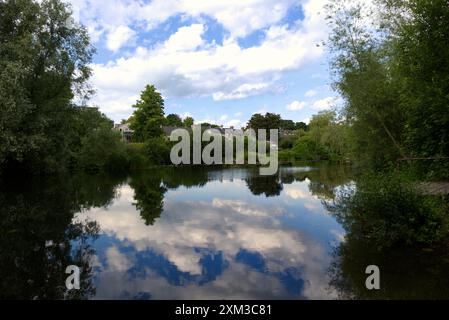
x: 404, y: 233
x: 38, y: 238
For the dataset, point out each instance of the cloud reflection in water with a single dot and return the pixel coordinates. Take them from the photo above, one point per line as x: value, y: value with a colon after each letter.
x: 216, y: 241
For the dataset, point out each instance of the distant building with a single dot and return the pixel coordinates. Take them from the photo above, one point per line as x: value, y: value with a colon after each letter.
x: 286, y: 133
x: 168, y: 130
x: 126, y: 132
x: 226, y: 132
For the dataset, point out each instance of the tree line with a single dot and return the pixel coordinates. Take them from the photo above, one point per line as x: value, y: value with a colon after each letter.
x: 391, y: 66
x: 45, y: 125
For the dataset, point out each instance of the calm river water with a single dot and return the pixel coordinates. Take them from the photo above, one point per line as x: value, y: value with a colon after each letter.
x: 195, y: 233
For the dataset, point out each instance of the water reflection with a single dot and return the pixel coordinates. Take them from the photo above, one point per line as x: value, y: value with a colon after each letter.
x: 405, y: 273
x: 191, y: 233
x: 196, y: 233
x: 38, y: 239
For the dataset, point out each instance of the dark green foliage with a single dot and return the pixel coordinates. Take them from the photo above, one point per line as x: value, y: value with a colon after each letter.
x: 307, y: 149
x: 420, y: 46
x: 148, y: 116
x: 326, y: 139
x: 395, y: 81
x: 188, y: 122
x: 157, y: 150
x: 136, y: 157
x: 388, y: 210
x: 44, y: 64
x: 148, y: 195
x: 173, y: 120
x: 102, y: 149
x: 267, y: 121
x: 34, y: 211
x: 287, y: 125
x: 301, y: 126
x: 270, y: 186
x: 406, y: 273
x: 287, y: 142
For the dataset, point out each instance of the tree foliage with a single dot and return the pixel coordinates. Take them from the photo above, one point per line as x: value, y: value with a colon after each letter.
x: 148, y: 116
x: 393, y: 75
x: 326, y: 139
x: 188, y: 122
x: 267, y: 121
x: 173, y: 120
x: 44, y: 66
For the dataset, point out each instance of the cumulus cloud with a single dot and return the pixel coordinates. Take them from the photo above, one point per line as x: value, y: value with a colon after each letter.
x: 296, y: 192
x: 189, y: 229
x: 326, y: 103
x: 185, y: 39
x: 116, y: 260
x: 119, y: 37
x: 296, y: 105
x: 186, y: 65
x: 242, y: 91
x: 240, y: 18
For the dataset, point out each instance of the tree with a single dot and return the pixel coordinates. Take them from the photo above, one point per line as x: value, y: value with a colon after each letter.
x: 301, y: 126
x: 363, y: 77
x: 268, y: 121
x: 44, y: 64
x: 288, y: 125
x: 207, y: 125
x: 102, y: 149
x: 419, y: 40
x: 148, y: 115
x: 173, y: 120
x: 188, y: 122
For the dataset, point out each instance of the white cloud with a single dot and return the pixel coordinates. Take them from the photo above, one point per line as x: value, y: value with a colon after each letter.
x: 325, y: 104
x: 116, y: 260
x: 119, y: 37
x: 185, y: 115
x: 296, y: 105
x: 296, y: 192
x: 242, y: 91
x: 218, y: 225
x: 306, y: 120
x: 240, y: 18
x: 185, y: 39
x: 185, y: 65
x: 311, y: 93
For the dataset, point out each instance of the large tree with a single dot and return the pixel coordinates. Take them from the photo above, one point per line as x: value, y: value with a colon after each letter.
x: 148, y: 116
x: 363, y: 78
x: 394, y: 77
x: 44, y: 65
x: 267, y: 121
x: 419, y: 38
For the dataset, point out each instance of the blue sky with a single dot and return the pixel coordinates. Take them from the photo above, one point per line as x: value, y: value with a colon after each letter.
x: 219, y: 61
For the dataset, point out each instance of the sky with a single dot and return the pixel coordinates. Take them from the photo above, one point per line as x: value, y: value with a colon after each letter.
x: 219, y: 61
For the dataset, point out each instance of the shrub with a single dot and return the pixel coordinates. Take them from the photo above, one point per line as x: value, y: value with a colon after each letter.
x: 158, y: 151
x: 102, y: 149
x: 388, y: 209
x: 137, y: 157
